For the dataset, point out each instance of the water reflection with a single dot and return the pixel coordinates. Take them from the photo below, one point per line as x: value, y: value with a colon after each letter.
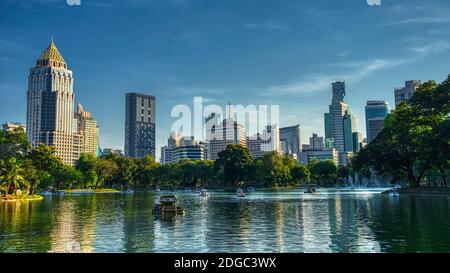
x: 285, y: 221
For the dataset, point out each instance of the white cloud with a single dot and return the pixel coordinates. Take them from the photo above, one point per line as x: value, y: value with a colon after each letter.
x: 431, y: 49
x: 357, y: 71
x: 420, y: 20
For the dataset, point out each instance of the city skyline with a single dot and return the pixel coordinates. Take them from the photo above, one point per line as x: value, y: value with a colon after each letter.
x: 186, y: 62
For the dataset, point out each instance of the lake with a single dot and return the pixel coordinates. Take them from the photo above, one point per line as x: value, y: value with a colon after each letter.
x: 264, y: 221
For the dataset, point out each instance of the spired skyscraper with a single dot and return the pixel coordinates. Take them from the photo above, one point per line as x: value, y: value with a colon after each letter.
x: 50, y: 105
x: 340, y: 124
x: 139, y: 125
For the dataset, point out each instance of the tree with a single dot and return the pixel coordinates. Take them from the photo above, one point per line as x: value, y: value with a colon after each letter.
x: 144, y: 170
x: 324, y: 172
x: 14, y: 143
x: 86, y: 165
x: 234, y: 161
x: 414, y: 138
x: 127, y: 169
x: 300, y: 173
x: 276, y: 168
x: 11, y: 175
x: 106, y: 171
x: 343, y: 173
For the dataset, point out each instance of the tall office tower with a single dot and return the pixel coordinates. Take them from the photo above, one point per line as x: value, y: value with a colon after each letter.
x: 349, y: 129
x: 335, y: 117
x: 271, y: 139
x: 405, y: 93
x: 89, y: 131
x: 50, y: 105
x: 290, y: 139
x: 357, y: 142
x: 316, y: 142
x: 139, y: 125
x: 329, y: 141
x: 225, y: 133
x: 376, y: 112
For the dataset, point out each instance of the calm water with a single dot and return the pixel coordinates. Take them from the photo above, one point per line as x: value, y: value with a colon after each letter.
x: 272, y: 221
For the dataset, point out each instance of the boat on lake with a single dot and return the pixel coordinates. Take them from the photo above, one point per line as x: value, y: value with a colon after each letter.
x: 240, y: 193
x: 167, y: 205
x: 203, y: 193
x: 310, y: 190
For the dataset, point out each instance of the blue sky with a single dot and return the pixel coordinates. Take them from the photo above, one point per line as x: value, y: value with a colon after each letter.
x: 243, y: 51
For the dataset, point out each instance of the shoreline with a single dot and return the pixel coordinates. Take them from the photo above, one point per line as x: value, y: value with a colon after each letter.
x: 424, y: 191
x: 21, y: 198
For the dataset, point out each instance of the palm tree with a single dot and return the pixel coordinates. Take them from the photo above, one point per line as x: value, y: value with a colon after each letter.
x: 11, y: 174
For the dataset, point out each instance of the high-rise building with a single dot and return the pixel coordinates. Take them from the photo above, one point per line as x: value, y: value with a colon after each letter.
x: 357, y: 142
x: 329, y: 141
x: 342, y: 122
x: 405, y: 93
x: 316, y: 142
x: 179, y: 148
x: 290, y: 139
x: 223, y: 134
x: 349, y: 129
x: 50, y: 105
x: 88, y: 129
x: 338, y: 109
x: 268, y: 141
x: 139, y: 125
x: 376, y: 112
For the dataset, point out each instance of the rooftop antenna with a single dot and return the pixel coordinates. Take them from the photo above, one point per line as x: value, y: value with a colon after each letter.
x: 52, y: 38
x: 229, y: 109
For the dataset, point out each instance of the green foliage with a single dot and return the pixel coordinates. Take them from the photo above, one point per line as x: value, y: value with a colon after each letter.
x: 415, y: 138
x: 11, y: 176
x: 235, y: 161
x: 14, y: 144
x: 324, y: 172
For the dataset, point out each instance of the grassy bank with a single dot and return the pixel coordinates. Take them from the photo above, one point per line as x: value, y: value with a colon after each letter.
x: 87, y: 191
x: 21, y: 197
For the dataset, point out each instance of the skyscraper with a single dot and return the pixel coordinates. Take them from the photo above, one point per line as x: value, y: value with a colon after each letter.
x: 88, y: 129
x: 335, y: 117
x: 290, y: 139
x: 405, y: 93
x: 50, y: 103
x: 376, y: 112
x: 268, y: 141
x: 329, y: 141
x: 349, y: 129
x: 357, y: 141
x: 139, y: 125
x: 223, y: 134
